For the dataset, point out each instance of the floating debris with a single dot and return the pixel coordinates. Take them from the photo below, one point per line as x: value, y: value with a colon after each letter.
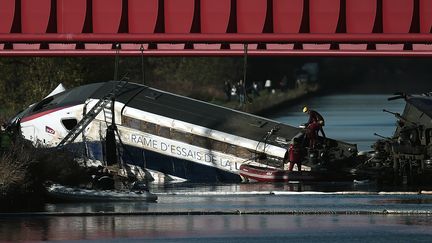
x: 73, y: 194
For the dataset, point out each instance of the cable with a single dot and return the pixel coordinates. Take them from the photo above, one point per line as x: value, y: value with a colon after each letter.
x: 265, y: 138
x: 117, y: 47
x: 245, y: 59
x: 142, y: 63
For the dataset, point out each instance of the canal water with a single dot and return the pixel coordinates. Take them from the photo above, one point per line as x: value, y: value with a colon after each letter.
x: 254, y: 212
x: 351, y: 118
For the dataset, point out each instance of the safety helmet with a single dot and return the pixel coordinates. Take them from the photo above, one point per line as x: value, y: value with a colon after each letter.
x: 305, y: 109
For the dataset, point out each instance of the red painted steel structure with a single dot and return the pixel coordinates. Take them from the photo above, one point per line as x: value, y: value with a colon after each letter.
x: 214, y: 18
x: 360, y: 18
x: 287, y: 18
x: 70, y: 19
x: 7, y: 10
x: 142, y: 17
x: 35, y: 15
x: 216, y: 28
x: 323, y: 18
x: 178, y: 18
x: 397, y: 16
x: 250, y: 18
x: 425, y: 22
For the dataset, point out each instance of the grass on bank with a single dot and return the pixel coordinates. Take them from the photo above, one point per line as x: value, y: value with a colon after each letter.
x: 267, y: 100
x: 24, y: 169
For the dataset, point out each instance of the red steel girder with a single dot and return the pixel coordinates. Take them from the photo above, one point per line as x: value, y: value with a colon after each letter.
x: 318, y: 27
x: 209, y: 53
x: 373, y: 38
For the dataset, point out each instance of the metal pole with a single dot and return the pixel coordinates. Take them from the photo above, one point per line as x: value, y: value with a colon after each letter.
x: 245, y: 46
x: 142, y: 63
x: 117, y: 47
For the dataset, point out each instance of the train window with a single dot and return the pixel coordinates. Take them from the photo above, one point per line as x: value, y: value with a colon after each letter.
x: 69, y: 123
x: 39, y: 106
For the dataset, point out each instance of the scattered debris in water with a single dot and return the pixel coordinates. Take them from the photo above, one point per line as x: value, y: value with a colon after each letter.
x: 74, y: 194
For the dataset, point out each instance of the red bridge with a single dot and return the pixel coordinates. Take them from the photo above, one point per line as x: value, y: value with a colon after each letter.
x: 215, y: 27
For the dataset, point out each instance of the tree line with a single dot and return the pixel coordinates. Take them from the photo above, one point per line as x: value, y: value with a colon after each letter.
x: 24, y: 81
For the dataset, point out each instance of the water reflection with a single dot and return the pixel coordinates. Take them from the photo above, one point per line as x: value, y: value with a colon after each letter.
x: 153, y: 227
x: 403, y: 201
x: 98, y: 207
x: 350, y: 118
x: 258, y: 187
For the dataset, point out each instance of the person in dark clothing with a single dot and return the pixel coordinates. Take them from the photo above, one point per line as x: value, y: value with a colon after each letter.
x: 227, y: 90
x: 293, y: 155
x: 284, y: 84
x: 241, y: 93
x: 315, y: 124
x: 255, y: 89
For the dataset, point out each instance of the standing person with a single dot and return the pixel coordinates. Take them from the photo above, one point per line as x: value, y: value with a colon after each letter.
x: 227, y: 90
x: 268, y: 85
x: 315, y: 124
x: 255, y: 89
x: 234, y: 90
x: 294, y: 155
x: 241, y: 92
x: 284, y: 83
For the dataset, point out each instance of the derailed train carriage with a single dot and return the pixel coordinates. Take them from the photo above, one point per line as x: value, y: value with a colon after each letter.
x: 406, y: 157
x: 167, y: 134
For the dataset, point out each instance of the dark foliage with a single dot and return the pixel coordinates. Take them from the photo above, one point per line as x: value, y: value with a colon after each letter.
x: 24, y: 169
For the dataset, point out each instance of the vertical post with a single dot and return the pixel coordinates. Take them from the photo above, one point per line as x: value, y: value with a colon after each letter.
x: 245, y: 46
x: 142, y: 63
x: 117, y: 47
